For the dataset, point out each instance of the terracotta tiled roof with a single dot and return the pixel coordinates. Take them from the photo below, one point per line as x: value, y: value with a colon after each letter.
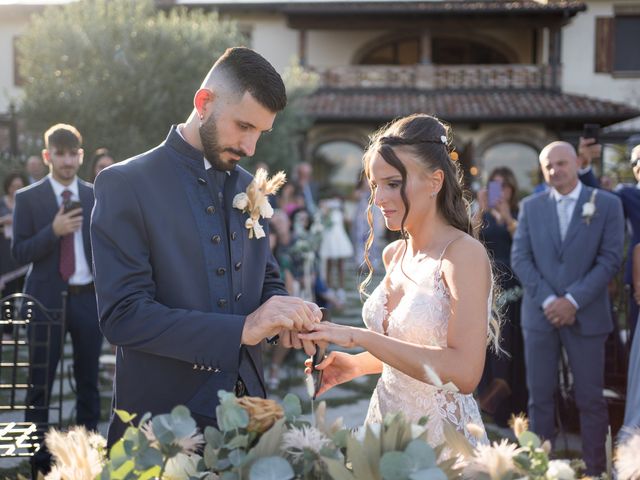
x: 398, y: 7
x: 474, y: 106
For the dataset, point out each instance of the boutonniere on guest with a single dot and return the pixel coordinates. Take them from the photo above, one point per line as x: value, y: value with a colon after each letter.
x: 589, y: 208
x: 255, y: 201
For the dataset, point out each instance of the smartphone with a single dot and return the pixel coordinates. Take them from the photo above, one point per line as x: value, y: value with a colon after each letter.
x: 494, y: 193
x: 71, y: 205
x: 318, y: 357
x: 591, y: 130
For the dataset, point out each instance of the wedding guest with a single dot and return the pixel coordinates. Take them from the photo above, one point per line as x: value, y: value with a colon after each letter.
x: 502, y: 390
x: 51, y: 230
x: 303, y: 181
x: 428, y: 320
x: 35, y: 169
x: 566, y: 249
x: 632, y: 406
x: 101, y: 159
x: 184, y: 291
x: 360, y: 230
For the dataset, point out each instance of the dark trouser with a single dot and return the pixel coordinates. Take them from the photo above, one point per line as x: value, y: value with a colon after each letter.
x: 586, y: 360
x: 633, y: 314
x: 86, y: 338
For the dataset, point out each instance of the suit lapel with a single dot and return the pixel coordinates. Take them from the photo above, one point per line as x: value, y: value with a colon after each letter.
x: 48, y: 199
x: 576, y: 218
x: 554, y: 225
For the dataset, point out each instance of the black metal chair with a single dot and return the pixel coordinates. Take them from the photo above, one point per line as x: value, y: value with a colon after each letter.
x: 27, y: 349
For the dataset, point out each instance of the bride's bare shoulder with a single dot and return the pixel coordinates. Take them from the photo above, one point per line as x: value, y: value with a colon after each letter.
x: 465, y: 253
x: 390, y: 251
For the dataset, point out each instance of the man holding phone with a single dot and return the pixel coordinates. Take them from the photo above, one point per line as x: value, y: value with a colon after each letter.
x: 51, y: 231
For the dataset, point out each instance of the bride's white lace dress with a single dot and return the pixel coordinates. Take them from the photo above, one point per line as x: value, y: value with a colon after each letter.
x: 421, y: 317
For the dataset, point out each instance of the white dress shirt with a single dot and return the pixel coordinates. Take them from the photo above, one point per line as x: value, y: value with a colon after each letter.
x: 82, y: 274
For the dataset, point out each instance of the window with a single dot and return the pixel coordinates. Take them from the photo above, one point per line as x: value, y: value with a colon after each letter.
x: 399, y: 52
x: 617, y: 39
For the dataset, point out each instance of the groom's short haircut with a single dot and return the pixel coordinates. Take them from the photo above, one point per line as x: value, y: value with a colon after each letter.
x: 241, y: 70
x: 62, y: 136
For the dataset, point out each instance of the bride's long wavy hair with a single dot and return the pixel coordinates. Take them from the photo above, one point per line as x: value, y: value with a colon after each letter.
x: 429, y: 140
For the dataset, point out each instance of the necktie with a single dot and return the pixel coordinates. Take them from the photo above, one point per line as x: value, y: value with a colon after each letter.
x: 563, y: 215
x: 67, y: 254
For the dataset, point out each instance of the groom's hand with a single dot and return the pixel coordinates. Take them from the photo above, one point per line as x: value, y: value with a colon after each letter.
x: 277, y: 314
x: 290, y: 338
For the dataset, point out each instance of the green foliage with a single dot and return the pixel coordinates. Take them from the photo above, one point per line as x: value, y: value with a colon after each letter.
x: 119, y: 70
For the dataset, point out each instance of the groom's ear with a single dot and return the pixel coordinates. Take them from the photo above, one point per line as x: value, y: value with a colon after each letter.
x: 203, y: 102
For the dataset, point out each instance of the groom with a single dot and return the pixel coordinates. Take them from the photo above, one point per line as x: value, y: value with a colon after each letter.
x: 182, y: 290
x: 566, y: 248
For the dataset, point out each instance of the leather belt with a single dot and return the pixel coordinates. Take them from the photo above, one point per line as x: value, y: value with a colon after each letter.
x: 78, y: 289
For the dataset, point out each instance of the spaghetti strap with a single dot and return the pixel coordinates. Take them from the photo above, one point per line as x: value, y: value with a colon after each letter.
x: 445, y: 251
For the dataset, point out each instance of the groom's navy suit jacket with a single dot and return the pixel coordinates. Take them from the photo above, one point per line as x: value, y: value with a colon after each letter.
x: 175, y: 284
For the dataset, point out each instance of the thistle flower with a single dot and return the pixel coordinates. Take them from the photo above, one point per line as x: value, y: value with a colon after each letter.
x: 495, y: 461
x: 560, y: 470
x: 298, y: 440
x: 78, y: 454
x: 627, y: 462
x: 188, y: 444
x: 519, y: 424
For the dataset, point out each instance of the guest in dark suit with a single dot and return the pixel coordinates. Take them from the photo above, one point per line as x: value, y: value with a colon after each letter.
x: 183, y: 292
x: 566, y: 249
x: 56, y: 241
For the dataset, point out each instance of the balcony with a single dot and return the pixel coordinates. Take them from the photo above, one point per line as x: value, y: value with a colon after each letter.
x: 441, y: 77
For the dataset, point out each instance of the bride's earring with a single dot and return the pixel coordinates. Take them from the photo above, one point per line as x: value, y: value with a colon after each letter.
x: 433, y: 194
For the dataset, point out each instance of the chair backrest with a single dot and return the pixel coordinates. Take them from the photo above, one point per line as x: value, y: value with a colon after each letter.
x: 27, y: 329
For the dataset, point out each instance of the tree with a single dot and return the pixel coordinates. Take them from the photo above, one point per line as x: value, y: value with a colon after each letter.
x: 119, y: 70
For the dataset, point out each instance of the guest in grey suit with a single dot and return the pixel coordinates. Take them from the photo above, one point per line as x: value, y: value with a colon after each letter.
x: 567, y: 247
x: 182, y: 290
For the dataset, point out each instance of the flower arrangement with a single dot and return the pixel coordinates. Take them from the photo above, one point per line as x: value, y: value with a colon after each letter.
x: 261, y: 439
x: 589, y: 208
x: 255, y: 200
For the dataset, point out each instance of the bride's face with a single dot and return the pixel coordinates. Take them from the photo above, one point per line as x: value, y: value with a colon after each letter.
x: 386, y: 182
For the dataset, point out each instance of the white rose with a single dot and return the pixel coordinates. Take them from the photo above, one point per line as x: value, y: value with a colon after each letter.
x: 588, y: 209
x: 240, y: 201
x: 266, y: 210
x: 560, y: 470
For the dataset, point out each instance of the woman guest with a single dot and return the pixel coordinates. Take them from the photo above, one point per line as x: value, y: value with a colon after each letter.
x: 428, y: 320
x: 503, y: 390
x: 101, y: 159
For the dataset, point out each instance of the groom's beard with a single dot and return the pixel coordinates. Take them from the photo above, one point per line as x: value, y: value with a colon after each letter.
x: 211, y: 146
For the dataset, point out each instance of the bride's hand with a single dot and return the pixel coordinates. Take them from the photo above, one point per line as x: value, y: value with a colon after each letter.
x: 342, y: 335
x: 338, y: 367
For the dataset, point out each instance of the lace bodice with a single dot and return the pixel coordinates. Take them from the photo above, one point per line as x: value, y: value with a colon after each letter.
x: 421, y: 317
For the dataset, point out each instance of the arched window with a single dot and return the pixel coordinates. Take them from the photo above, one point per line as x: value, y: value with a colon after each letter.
x: 338, y: 163
x: 444, y: 51
x: 519, y: 157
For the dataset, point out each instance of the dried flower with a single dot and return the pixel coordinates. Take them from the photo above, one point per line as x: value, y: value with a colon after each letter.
x: 78, y: 454
x: 255, y: 200
x: 627, y: 460
x: 495, y: 461
x: 298, y: 440
x: 560, y: 470
x: 476, y: 430
x: 188, y: 444
x: 519, y: 424
x: 263, y: 413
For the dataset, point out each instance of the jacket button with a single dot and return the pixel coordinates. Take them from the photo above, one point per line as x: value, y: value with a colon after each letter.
x: 222, y: 302
x: 202, y: 181
x: 216, y: 239
x: 211, y: 209
x: 237, y: 265
x: 238, y: 296
x: 234, y: 235
x: 221, y: 271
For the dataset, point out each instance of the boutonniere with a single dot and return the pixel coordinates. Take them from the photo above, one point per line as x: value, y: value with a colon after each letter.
x: 589, y: 208
x: 255, y: 200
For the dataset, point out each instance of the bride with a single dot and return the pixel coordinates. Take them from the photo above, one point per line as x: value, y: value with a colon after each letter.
x: 429, y: 320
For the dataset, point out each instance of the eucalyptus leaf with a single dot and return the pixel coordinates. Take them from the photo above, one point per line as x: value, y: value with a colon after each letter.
x: 271, y: 468
x: 292, y: 406
x: 422, y: 455
x: 528, y: 439
x: 149, y: 474
x: 239, y: 441
x: 210, y: 457
x: 213, y: 437
x: 395, y: 466
x: 229, y: 476
x: 162, y: 429
x: 433, y: 473
x: 232, y: 416
x: 148, y: 458
x: 237, y: 457
x: 124, y: 416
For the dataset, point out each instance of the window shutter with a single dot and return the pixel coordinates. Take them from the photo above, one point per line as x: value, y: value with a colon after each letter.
x: 604, y: 44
